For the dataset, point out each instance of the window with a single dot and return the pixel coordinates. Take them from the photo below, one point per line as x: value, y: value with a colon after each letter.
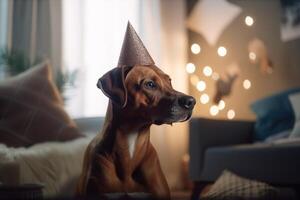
x: 93, y: 32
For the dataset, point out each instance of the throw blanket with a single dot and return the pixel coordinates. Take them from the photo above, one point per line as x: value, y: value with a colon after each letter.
x: 56, y: 165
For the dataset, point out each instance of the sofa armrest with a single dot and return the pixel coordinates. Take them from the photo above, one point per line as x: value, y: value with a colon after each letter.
x: 205, y: 133
x: 89, y: 125
x: 210, y: 132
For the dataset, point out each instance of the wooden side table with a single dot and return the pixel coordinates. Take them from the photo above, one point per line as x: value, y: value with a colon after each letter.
x: 21, y: 192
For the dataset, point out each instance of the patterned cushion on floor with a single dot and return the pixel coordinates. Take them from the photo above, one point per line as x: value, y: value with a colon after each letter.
x: 233, y: 187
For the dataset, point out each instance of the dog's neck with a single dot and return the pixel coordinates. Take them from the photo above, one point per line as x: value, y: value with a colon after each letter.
x: 123, y: 131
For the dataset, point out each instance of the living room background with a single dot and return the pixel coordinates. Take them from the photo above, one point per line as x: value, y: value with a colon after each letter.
x: 236, y: 37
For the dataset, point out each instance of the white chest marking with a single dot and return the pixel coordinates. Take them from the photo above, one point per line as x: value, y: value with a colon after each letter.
x: 131, y: 139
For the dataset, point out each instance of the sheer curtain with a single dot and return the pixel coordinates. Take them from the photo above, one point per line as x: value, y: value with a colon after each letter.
x: 32, y: 27
x: 93, y: 32
x: 3, y: 22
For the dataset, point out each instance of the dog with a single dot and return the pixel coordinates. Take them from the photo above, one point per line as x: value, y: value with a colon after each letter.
x: 122, y: 158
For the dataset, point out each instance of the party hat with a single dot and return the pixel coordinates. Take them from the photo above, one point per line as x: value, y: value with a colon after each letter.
x: 133, y: 51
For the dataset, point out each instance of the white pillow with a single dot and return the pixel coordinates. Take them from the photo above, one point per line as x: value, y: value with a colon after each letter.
x: 56, y: 165
x: 295, y: 101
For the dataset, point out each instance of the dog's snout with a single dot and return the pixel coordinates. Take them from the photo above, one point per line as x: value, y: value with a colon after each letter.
x: 99, y: 84
x: 187, y: 102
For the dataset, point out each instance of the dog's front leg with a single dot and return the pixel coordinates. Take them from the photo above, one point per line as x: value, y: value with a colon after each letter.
x: 153, y: 176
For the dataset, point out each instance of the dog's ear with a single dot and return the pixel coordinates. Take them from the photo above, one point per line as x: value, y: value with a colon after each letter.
x: 112, y: 85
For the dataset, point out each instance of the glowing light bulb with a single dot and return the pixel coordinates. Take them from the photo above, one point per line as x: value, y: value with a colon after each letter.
x: 204, y: 98
x: 194, y: 79
x: 207, y: 71
x: 247, y: 84
x: 249, y: 21
x: 190, y: 68
x: 222, y: 51
x: 252, y: 56
x: 201, y: 86
x: 221, y: 105
x: 215, y: 76
x: 195, y: 48
x: 214, y: 110
x: 230, y: 114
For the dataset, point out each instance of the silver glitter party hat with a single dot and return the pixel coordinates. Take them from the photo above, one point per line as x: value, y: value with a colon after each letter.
x: 133, y: 51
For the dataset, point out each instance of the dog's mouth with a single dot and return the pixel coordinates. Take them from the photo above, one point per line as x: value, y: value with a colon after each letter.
x: 177, y: 115
x: 185, y: 117
x: 176, y: 109
x: 174, y: 116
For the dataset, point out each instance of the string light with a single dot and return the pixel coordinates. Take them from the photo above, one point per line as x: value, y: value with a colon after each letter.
x: 252, y: 56
x: 221, y: 105
x: 194, y: 79
x: 215, y: 76
x: 190, y: 68
x: 249, y: 21
x: 247, y: 84
x: 230, y: 114
x: 214, y: 110
x: 195, y: 48
x: 201, y: 86
x: 207, y: 71
x: 269, y: 70
x: 222, y: 51
x: 204, y: 98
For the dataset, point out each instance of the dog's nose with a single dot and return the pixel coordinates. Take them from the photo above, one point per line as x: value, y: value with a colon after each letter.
x: 187, y: 102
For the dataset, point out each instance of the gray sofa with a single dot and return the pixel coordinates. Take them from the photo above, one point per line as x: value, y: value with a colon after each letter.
x: 89, y: 125
x: 215, y: 145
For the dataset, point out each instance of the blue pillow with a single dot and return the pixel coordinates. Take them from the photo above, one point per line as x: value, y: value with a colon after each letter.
x: 274, y: 114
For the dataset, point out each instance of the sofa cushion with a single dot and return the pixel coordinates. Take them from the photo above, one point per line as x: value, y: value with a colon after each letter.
x: 279, y: 136
x: 270, y: 162
x: 232, y: 186
x: 273, y: 114
x: 31, y: 110
x: 295, y: 101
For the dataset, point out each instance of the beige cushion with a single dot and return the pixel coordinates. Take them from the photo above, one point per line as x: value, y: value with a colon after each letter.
x: 233, y: 187
x: 31, y: 110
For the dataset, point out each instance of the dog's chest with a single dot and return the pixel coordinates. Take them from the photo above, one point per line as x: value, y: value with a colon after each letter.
x: 131, y: 139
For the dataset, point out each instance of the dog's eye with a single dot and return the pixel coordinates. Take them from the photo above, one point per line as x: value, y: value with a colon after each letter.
x: 150, y: 85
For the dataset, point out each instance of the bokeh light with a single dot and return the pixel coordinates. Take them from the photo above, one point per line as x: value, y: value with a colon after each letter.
x: 190, y: 68
x: 252, y: 56
x: 269, y: 70
x: 204, y: 98
x: 195, y: 48
x: 249, y: 21
x: 221, y: 105
x: 214, y: 110
x: 230, y: 114
x: 222, y: 51
x: 207, y: 71
x: 247, y: 84
x: 201, y: 86
x: 215, y: 76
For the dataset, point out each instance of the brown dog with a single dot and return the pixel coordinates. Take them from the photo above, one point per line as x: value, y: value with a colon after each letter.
x: 124, y: 160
